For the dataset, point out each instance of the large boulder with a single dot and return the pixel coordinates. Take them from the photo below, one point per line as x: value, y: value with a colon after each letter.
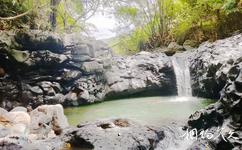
x: 48, y: 118
x: 123, y: 134
x: 142, y: 72
x: 39, y: 130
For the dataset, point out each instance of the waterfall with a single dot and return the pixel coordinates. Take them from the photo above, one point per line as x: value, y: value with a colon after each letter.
x: 182, y: 73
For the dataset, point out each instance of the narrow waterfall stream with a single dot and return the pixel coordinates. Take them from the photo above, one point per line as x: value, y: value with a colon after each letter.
x: 183, y: 79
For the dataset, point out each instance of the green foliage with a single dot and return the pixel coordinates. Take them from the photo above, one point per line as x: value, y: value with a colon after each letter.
x: 127, y: 11
x: 130, y: 44
x: 65, y: 19
x: 68, y: 16
x: 179, y: 20
x: 230, y: 6
x: 11, y: 8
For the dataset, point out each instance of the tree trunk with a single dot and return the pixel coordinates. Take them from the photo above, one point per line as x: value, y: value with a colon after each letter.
x: 53, y: 13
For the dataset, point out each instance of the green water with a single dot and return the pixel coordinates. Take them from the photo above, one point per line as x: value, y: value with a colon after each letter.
x: 147, y: 110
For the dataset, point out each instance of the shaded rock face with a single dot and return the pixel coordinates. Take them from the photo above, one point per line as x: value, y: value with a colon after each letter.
x: 39, y: 40
x: 43, y: 68
x: 225, y: 114
x: 210, y: 64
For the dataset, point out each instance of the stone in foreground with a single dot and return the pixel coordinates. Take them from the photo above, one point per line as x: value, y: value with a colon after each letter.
x: 122, y: 134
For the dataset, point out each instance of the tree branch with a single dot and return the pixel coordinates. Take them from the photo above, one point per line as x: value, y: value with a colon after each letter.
x: 15, y: 17
x: 23, y: 14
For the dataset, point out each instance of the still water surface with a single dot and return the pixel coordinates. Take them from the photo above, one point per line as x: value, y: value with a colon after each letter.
x: 146, y: 110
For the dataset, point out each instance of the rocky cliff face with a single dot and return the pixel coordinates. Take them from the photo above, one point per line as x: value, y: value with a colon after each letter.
x: 222, y: 120
x: 210, y: 64
x: 45, y: 68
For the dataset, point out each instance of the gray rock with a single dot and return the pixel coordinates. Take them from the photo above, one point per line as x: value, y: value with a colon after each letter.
x: 55, y: 99
x: 190, y: 44
x: 83, y: 71
x: 16, y: 109
x: 113, y: 134
x: 36, y: 90
x: 45, y: 58
x: 47, y: 87
x: 140, y: 72
x: 125, y: 134
x: 92, y: 67
x: 210, y: 64
x: 20, y: 143
x: 225, y: 114
x: 38, y: 40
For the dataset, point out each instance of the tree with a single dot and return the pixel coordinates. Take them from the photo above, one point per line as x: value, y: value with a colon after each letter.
x: 53, y: 13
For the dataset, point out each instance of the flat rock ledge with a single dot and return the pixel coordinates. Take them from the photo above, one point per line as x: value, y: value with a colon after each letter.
x: 124, y: 134
x: 46, y: 128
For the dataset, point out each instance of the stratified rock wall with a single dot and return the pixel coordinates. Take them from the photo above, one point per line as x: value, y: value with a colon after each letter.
x: 45, y: 68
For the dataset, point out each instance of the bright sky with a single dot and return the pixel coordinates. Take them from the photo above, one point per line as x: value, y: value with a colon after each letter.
x: 104, y: 26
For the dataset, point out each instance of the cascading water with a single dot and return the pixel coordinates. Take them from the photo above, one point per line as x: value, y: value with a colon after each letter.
x: 183, y: 79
